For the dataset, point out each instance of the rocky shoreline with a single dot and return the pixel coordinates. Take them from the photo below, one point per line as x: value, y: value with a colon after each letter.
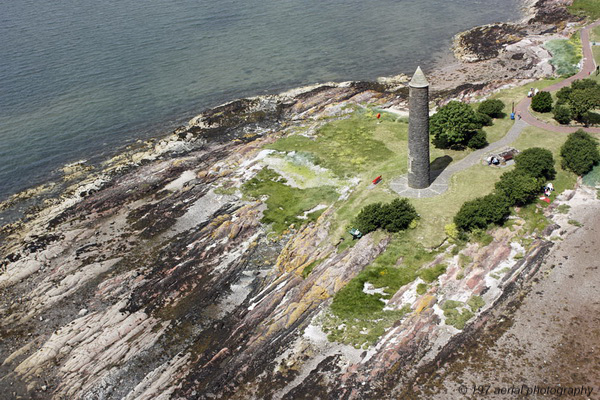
x: 150, y: 279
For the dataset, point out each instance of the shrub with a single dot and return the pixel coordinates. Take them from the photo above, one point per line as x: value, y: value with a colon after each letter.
x: 483, y: 119
x: 580, y: 153
x: 542, y: 102
x: 370, y: 218
x: 453, y: 124
x: 537, y: 162
x: 562, y: 114
x: 519, y: 187
x: 397, y: 215
x: 482, y: 211
x: 478, y: 140
x: 493, y: 108
x: 392, y: 217
x: 591, y: 118
x: 431, y: 274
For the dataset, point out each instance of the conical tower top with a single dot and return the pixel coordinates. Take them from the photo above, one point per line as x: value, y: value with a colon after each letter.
x: 418, y: 80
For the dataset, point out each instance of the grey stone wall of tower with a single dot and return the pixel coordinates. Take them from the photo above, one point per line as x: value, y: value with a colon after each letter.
x: 418, y: 131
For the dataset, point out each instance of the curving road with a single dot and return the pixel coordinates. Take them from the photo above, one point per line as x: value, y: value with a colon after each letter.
x: 589, y: 66
x: 440, y: 183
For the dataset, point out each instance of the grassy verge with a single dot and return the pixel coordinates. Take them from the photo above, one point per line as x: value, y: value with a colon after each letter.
x: 588, y: 8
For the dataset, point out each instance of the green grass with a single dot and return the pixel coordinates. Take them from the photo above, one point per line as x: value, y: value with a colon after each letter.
x: 454, y: 316
x: 595, y: 34
x: 431, y: 274
x: 285, y: 203
x: 475, y: 303
x: 575, y: 223
x: 563, y: 208
x: 308, y: 269
x: 566, y: 54
x: 588, y: 8
x: 421, y: 289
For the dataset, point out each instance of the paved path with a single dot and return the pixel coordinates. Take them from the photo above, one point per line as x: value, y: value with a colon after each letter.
x: 441, y: 183
x: 589, y: 66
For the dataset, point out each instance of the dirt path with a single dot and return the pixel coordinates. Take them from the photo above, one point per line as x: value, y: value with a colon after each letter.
x: 589, y: 66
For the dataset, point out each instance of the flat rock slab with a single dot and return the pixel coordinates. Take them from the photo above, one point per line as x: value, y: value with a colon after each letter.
x: 400, y: 186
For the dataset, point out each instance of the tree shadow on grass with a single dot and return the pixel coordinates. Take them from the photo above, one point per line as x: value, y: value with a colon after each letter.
x: 438, y: 165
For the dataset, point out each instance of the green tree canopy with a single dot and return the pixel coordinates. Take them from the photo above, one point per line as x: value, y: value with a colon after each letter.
x: 542, y: 102
x: 519, y: 187
x: 453, y: 124
x: 580, y: 152
x: 562, y: 114
x: 492, y: 107
x: 482, y: 211
x: 537, y: 162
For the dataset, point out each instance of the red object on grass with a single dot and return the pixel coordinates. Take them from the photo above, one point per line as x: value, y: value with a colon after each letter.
x: 377, y: 180
x: 378, y: 115
x: 544, y: 198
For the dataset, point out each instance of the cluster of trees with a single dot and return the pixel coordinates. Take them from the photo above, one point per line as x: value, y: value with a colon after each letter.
x: 575, y: 102
x: 580, y: 153
x: 517, y: 187
x: 458, y: 125
x: 393, y: 217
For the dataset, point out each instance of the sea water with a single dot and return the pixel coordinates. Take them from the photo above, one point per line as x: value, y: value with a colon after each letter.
x: 80, y: 79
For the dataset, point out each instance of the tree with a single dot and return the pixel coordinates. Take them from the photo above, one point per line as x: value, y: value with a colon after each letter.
x: 519, y: 187
x: 562, y: 96
x: 453, y: 124
x: 536, y: 162
x: 562, y: 114
x: 591, y: 118
x: 580, y: 102
x: 483, y: 119
x: 398, y: 215
x: 493, y: 108
x: 478, y: 140
x: 584, y: 84
x: 542, y: 102
x: 580, y: 153
x: 482, y: 211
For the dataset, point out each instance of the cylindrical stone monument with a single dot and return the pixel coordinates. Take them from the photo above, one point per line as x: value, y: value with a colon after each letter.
x: 418, y: 131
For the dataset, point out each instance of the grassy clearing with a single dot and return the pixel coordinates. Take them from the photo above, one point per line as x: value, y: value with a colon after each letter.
x: 286, y: 204
x: 566, y: 54
x: 595, y: 34
x: 589, y: 8
x: 359, y: 318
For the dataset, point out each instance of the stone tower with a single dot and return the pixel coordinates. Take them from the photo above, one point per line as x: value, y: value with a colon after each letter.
x: 418, y: 131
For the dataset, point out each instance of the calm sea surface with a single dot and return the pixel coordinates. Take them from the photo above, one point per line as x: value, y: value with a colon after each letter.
x: 79, y: 79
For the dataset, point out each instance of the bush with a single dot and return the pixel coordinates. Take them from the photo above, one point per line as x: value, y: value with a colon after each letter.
x: 398, y: 215
x: 369, y: 219
x: 453, y: 124
x: 542, y: 102
x: 580, y: 153
x: 591, y: 118
x: 483, y: 119
x: 478, y: 140
x: 482, y: 211
x: 493, y: 108
x: 519, y: 188
x: 392, y: 217
x: 562, y: 114
x: 536, y: 162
